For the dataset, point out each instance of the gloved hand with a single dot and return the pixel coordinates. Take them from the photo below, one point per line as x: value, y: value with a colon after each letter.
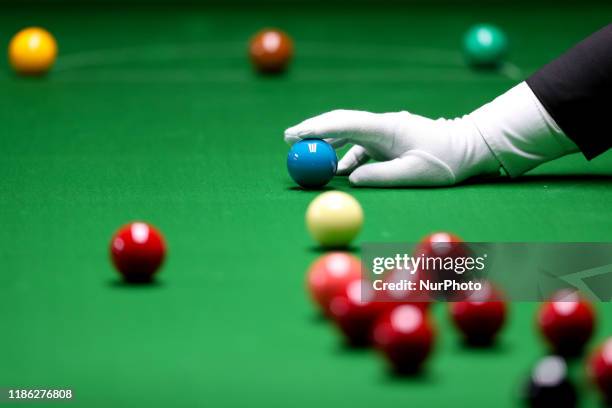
x: 411, y: 150
x: 513, y: 131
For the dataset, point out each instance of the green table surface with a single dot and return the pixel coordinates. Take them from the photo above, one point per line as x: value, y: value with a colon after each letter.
x: 153, y: 113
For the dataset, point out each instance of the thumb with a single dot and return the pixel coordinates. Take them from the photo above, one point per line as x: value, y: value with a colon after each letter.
x: 416, y: 169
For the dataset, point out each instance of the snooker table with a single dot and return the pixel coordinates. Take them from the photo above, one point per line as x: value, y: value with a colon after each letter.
x: 153, y: 113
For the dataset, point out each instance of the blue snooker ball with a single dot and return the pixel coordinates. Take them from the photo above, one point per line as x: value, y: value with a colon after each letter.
x: 312, y: 163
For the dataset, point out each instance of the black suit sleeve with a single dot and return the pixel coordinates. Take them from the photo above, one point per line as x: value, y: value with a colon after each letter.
x: 576, y: 90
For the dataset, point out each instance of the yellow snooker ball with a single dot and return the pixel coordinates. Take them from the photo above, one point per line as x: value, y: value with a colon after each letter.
x: 334, y: 219
x: 32, y: 51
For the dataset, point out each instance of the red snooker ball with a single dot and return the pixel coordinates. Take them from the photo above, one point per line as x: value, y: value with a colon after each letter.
x: 600, y: 368
x: 405, y: 337
x: 271, y: 51
x: 567, y: 322
x: 137, y: 251
x: 442, y: 244
x: 355, y: 310
x: 329, y: 275
x: 400, y: 294
x: 480, y: 317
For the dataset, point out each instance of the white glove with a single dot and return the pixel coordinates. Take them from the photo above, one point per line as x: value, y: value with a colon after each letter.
x: 412, y: 150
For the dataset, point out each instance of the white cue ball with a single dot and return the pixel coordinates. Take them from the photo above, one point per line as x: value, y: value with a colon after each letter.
x: 334, y: 219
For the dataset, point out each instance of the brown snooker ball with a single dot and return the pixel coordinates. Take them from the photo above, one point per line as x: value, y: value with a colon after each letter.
x: 271, y: 51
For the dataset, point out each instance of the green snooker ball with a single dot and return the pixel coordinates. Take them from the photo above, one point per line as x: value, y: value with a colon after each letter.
x: 485, y: 45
